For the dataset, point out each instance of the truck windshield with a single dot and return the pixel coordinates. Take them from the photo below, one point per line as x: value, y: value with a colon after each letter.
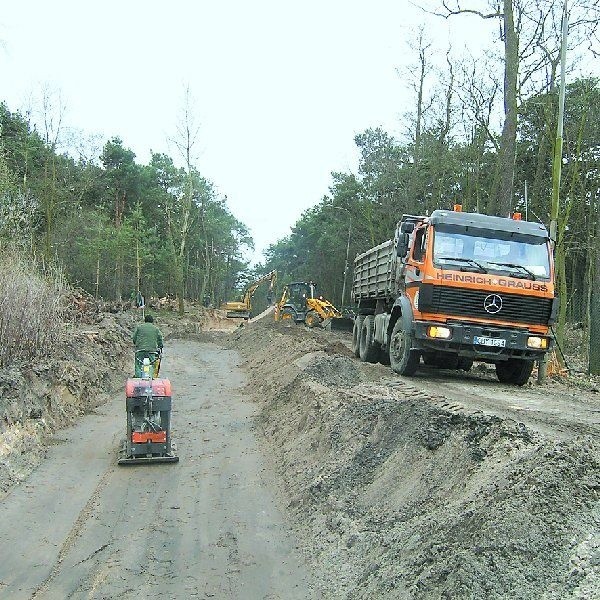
x: 517, y: 257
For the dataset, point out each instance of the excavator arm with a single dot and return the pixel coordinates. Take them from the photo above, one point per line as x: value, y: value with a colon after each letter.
x: 242, y: 309
x: 272, y: 277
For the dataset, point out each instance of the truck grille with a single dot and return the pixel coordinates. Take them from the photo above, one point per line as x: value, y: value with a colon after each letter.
x: 471, y: 303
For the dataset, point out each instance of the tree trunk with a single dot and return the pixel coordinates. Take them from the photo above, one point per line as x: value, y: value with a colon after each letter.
x: 561, y: 283
x: 594, y: 298
x: 97, y: 276
x: 505, y: 173
x: 48, y: 199
x: 418, y: 124
x: 594, y: 348
x: 544, y: 156
x: 439, y: 166
x: 138, y: 264
x: 419, y: 120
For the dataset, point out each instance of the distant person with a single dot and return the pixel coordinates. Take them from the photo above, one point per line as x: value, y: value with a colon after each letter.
x: 148, y: 342
x: 140, y: 301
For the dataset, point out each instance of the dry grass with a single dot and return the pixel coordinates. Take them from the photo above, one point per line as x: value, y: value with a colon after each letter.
x: 31, y: 307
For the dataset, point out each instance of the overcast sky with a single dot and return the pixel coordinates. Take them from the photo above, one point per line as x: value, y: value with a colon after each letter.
x: 280, y: 89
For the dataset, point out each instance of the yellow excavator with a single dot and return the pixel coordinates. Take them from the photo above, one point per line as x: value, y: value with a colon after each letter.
x: 299, y: 303
x: 241, y: 309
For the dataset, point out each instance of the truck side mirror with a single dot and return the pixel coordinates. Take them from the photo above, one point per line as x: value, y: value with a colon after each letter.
x: 407, y: 227
x: 402, y: 246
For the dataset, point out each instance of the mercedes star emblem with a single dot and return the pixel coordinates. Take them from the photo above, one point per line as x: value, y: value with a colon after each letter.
x: 492, y: 304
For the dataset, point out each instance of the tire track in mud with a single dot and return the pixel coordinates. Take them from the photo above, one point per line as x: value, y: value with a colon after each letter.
x: 401, y: 390
x: 84, y: 516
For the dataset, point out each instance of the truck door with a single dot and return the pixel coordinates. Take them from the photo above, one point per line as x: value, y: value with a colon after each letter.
x: 416, y: 262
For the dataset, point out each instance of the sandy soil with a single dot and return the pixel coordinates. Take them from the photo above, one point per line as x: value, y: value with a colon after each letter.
x: 303, y: 473
x: 445, y: 485
x: 74, y: 378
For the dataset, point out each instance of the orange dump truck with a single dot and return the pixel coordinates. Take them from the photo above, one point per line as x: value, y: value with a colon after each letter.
x: 452, y: 288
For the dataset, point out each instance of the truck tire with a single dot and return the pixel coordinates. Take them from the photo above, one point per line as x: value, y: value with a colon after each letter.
x: 369, y: 349
x: 514, y: 370
x: 465, y: 363
x: 404, y: 361
x: 356, y: 335
x: 312, y: 319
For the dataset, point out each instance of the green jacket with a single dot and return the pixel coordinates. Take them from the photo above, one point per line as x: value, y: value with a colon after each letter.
x: 147, y: 336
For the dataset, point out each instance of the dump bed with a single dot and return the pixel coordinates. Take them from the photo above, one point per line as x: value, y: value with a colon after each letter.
x: 375, y: 272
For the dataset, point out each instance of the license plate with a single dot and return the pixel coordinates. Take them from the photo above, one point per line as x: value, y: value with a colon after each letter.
x: 488, y: 341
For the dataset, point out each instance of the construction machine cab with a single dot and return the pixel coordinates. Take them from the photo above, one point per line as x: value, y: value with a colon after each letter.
x: 299, y: 293
x: 293, y: 303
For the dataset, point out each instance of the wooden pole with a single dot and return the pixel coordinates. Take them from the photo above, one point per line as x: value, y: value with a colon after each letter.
x: 556, y: 175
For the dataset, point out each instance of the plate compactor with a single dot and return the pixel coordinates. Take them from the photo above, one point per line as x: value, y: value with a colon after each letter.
x: 148, y: 405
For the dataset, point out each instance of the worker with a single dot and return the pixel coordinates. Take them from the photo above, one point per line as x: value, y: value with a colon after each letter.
x: 148, y: 342
x: 140, y: 301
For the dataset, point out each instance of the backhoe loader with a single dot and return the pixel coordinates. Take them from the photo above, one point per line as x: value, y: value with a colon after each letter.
x: 241, y: 309
x: 300, y: 304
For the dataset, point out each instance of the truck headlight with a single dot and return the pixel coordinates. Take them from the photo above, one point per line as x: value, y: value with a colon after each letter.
x: 435, y: 331
x: 539, y: 343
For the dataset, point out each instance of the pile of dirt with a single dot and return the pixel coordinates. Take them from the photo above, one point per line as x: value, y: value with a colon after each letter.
x: 213, y: 319
x: 399, y: 493
x: 74, y: 377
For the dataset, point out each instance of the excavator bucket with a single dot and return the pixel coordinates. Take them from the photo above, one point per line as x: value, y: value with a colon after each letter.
x: 341, y: 324
x: 239, y: 314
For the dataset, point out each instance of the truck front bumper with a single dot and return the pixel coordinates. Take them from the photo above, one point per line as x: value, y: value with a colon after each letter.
x: 511, y: 343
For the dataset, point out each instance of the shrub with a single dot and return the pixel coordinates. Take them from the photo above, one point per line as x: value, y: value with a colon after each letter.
x: 31, y: 310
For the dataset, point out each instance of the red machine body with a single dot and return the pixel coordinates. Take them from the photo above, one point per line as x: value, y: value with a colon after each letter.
x: 148, y: 404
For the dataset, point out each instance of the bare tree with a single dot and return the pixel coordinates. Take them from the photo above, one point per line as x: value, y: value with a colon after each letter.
x: 185, y: 140
x: 505, y: 170
x: 52, y: 110
x: 417, y: 74
x: 530, y: 33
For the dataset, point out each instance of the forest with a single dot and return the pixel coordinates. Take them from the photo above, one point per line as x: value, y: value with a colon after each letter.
x: 116, y: 226
x: 483, y: 131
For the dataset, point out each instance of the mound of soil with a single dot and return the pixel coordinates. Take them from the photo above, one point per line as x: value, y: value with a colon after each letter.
x: 73, y: 378
x: 398, y: 492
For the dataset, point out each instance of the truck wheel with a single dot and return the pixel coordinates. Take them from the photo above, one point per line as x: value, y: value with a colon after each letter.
x: 312, y: 319
x: 358, y: 321
x: 514, y: 370
x: 403, y: 360
x: 369, y: 350
x: 465, y: 363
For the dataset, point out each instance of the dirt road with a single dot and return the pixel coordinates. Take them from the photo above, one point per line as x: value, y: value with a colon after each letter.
x: 208, y: 527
